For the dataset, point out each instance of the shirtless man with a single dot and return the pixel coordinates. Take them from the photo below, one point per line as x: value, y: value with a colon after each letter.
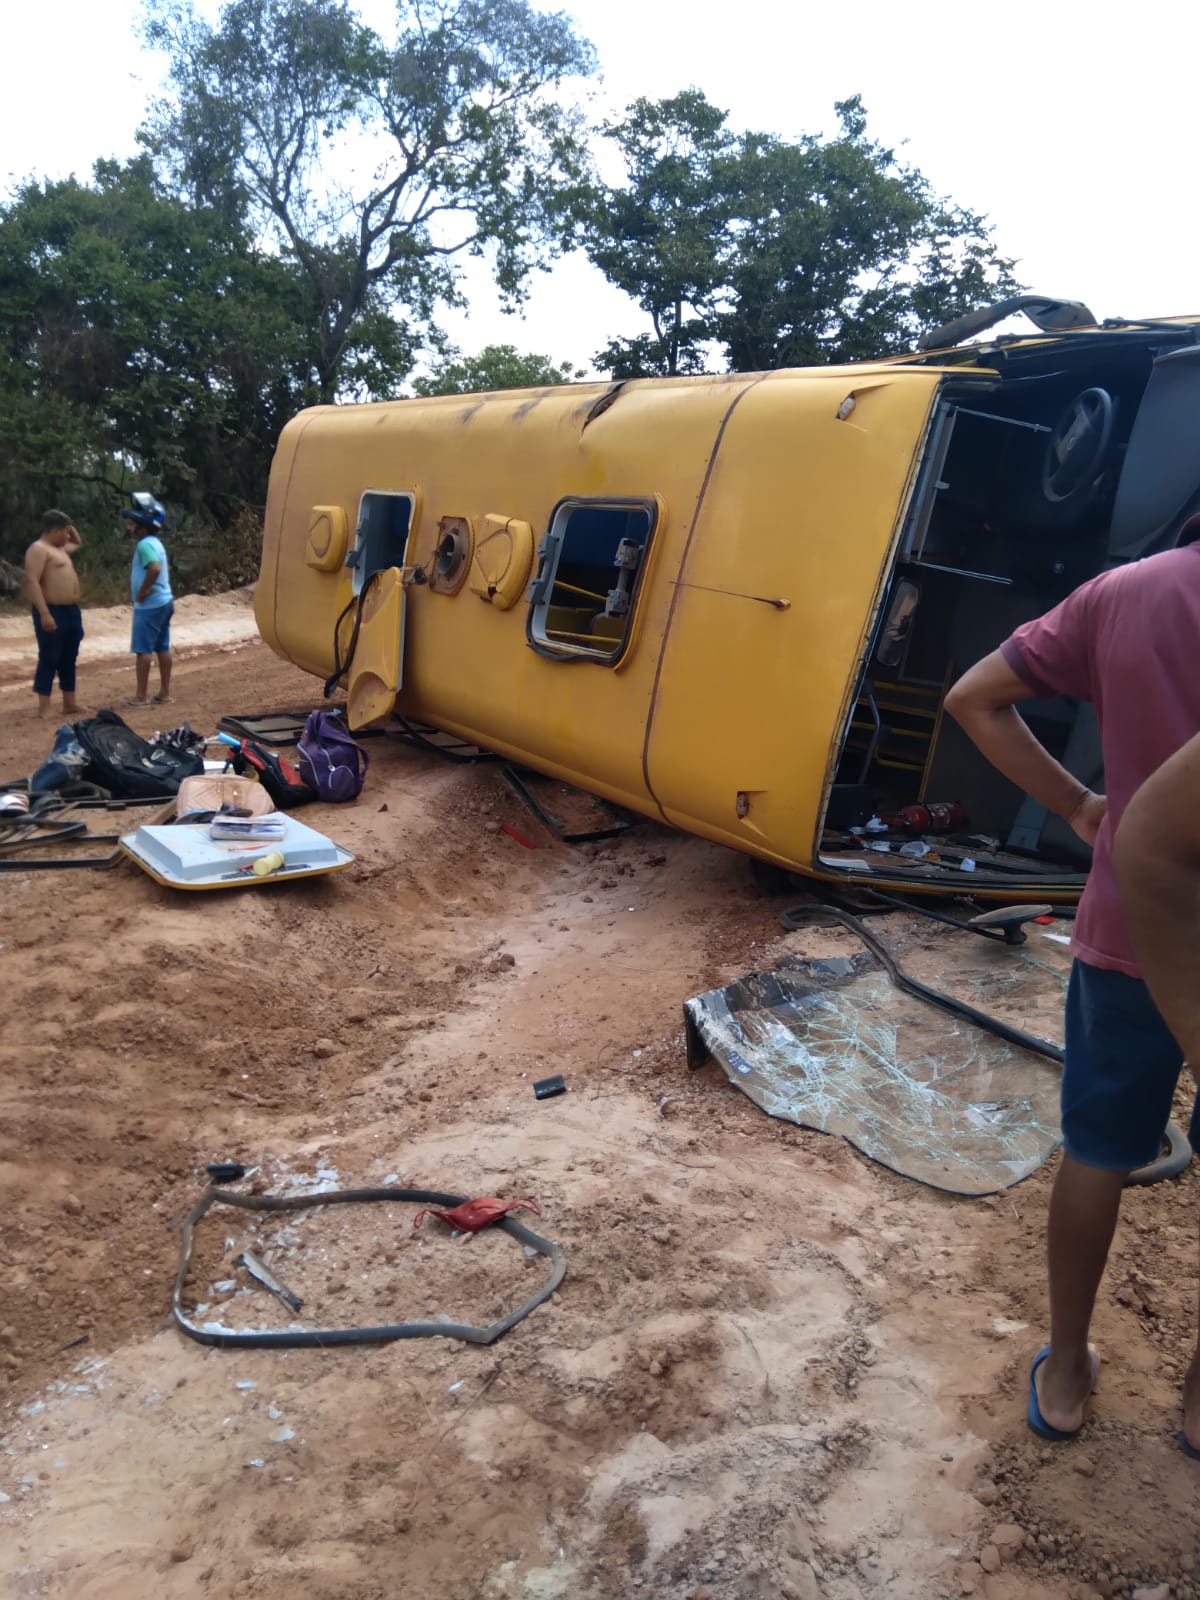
x: 53, y: 586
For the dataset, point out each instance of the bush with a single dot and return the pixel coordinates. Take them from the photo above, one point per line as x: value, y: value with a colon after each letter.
x: 209, y: 560
x: 103, y: 564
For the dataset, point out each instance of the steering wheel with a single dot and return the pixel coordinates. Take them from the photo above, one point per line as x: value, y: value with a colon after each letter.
x: 1078, y: 445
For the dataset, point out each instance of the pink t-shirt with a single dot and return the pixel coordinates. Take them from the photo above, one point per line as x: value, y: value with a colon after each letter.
x: 1128, y: 641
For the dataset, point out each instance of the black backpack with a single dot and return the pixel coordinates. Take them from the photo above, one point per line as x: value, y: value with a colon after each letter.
x: 125, y: 764
x: 277, y: 775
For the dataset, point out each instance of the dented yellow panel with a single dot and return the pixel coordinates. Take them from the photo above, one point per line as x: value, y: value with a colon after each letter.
x: 750, y: 608
x: 375, y: 671
x: 773, y: 604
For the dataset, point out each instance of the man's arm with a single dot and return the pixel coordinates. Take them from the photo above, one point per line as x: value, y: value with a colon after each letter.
x: 35, y: 566
x: 73, y: 540
x: 1157, y: 860
x: 148, y: 582
x: 984, y: 702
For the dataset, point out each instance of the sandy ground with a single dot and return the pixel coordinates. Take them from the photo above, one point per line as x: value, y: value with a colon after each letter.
x: 201, y: 622
x: 775, y: 1370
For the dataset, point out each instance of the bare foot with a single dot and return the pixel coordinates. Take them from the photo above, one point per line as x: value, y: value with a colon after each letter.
x: 1191, y: 1403
x: 73, y: 709
x: 1064, y: 1391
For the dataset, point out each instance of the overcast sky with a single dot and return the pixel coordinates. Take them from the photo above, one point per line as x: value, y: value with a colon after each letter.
x: 1072, y: 127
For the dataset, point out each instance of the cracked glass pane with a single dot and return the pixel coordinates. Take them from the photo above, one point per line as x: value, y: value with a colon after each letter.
x: 833, y: 1045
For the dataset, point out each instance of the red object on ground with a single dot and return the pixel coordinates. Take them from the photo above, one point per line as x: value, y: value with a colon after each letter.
x: 1044, y: 921
x: 506, y: 827
x: 475, y: 1214
x: 938, y: 816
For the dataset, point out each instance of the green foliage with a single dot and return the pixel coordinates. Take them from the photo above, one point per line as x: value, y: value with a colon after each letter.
x: 658, y: 237
x: 449, y: 127
x: 496, y: 366
x: 142, y: 342
x: 776, y: 253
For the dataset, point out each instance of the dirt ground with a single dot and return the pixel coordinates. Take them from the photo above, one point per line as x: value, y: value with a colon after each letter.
x: 201, y: 622
x: 774, y: 1368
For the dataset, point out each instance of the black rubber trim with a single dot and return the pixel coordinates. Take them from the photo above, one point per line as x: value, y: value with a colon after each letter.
x: 805, y: 916
x: 385, y: 1333
x: 341, y: 668
x: 1176, y: 1160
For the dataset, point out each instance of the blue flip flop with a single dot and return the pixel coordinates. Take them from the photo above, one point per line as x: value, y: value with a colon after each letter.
x: 1189, y: 1450
x: 1033, y: 1413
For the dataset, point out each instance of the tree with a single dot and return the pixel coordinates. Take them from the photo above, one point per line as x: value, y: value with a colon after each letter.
x: 140, y: 337
x: 497, y: 366
x: 781, y: 254
x: 658, y: 237
x: 840, y: 252
x: 373, y: 164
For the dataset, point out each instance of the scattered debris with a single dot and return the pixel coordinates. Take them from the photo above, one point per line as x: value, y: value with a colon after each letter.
x: 225, y: 1171
x: 596, y: 818
x: 832, y: 1044
x: 184, y: 856
x: 476, y: 1214
x: 218, y: 1334
x: 258, y: 1269
x: 277, y: 728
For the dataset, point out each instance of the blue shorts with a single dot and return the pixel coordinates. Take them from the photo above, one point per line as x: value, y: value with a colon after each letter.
x: 152, y: 630
x: 1122, y: 1065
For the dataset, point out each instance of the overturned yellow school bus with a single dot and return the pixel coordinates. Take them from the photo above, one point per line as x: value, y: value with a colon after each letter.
x: 735, y: 603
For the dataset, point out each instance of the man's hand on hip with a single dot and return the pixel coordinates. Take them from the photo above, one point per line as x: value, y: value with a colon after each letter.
x: 1087, y: 816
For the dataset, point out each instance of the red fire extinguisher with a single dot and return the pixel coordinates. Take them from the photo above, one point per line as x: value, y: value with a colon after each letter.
x: 937, y: 816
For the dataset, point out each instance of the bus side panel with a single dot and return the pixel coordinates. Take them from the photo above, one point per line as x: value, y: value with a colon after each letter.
x: 293, y: 603
x: 777, y: 595
x: 468, y: 667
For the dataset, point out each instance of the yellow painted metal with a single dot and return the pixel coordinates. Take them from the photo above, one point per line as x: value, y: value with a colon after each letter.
x: 802, y: 508
x: 503, y: 559
x: 327, y: 538
x: 751, y: 611
x: 376, y: 668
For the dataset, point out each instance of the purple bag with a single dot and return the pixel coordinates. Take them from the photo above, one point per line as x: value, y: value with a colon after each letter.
x: 332, y: 763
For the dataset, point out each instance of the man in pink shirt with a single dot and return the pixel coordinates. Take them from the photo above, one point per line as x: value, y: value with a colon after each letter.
x: 1127, y: 641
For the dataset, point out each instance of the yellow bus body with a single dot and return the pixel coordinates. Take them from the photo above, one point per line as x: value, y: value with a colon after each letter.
x: 721, y: 698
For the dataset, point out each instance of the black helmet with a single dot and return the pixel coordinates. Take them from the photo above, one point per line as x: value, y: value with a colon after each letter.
x: 143, y: 508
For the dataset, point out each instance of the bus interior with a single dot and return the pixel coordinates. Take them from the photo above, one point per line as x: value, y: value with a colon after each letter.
x: 1077, y: 456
